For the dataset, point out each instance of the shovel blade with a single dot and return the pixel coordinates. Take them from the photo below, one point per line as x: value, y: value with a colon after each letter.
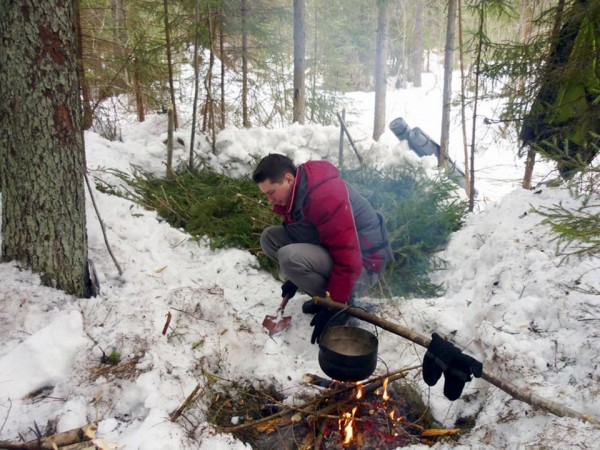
x: 276, y: 324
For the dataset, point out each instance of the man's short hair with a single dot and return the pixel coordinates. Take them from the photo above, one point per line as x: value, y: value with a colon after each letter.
x: 273, y: 167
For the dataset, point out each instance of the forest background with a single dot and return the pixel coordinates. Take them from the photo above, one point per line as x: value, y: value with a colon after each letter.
x: 281, y: 62
x: 131, y: 56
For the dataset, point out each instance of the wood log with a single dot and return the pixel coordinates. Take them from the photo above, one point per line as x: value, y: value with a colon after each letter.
x: 15, y: 445
x: 437, y: 432
x: 55, y: 441
x: 502, y: 384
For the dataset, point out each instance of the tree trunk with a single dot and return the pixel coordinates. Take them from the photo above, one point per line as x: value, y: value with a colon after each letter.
x: 447, y: 96
x: 42, y: 148
x: 417, y: 54
x: 196, y: 82
x: 245, y: 119
x: 170, y: 63
x: 525, y: 28
x: 222, y: 55
x: 209, y: 116
x: 380, y: 68
x: 477, y: 70
x: 137, y: 90
x: 525, y: 33
x: 299, y: 62
x: 563, y: 121
x: 170, y: 123
x: 86, y: 94
x: 313, y: 81
x: 120, y: 82
x: 463, y: 106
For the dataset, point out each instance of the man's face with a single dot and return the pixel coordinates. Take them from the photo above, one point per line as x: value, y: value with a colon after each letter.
x: 278, y: 193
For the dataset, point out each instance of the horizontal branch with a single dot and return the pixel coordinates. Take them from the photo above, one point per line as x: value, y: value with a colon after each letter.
x: 508, y: 387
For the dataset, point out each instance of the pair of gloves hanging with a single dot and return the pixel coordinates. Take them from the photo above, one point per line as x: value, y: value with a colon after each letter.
x: 443, y: 357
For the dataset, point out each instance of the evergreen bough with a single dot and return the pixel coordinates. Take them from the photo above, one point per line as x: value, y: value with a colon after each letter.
x: 421, y: 213
x: 230, y: 212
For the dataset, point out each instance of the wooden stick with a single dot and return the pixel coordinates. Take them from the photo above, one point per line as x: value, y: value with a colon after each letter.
x: 167, y: 322
x: 190, y: 398
x: 441, y: 432
x: 102, y: 226
x: 345, y: 128
x: 508, y: 387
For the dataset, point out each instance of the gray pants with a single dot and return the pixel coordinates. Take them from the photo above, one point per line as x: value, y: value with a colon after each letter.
x: 307, y: 265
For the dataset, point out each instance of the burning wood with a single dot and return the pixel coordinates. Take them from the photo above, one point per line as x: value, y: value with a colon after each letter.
x: 377, y: 413
x: 346, y: 424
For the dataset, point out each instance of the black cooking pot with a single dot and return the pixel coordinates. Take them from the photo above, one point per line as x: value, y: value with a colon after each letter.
x: 348, y: 353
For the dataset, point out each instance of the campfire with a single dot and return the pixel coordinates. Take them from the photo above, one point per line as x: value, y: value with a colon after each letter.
x: 380, y: 413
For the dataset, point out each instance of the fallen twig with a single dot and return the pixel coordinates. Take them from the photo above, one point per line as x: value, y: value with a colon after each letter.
x: 190, y: 398
x: 87, y: 182
x: 167, y: 322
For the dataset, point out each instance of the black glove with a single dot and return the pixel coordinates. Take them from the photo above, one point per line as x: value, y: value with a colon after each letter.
x: 439, y: 354
x: 458, y: 373
x: 288, y: 289
x: 443, y: 356
x: 319, y: 321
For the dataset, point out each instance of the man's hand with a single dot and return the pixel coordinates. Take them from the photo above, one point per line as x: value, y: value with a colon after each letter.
x: 288, y: 289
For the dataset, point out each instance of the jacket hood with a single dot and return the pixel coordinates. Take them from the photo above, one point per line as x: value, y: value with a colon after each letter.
x: 322, y: 171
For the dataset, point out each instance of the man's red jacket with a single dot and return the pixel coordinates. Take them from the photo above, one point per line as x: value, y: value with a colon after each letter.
x: 347, y: 225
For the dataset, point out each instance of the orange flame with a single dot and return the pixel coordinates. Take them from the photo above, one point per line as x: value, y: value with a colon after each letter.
x: 385, y: 391
x: 359, y: 391
x: 346, y: 424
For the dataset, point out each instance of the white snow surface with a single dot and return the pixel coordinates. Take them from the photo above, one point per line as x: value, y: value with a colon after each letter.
x: 511, y: 301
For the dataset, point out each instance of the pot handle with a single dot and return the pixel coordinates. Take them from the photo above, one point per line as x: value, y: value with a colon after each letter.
x: 343, y: 311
